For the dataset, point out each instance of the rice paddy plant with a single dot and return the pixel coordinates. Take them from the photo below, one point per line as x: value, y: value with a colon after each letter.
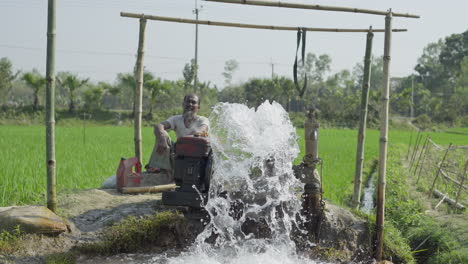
x: 86, y: 156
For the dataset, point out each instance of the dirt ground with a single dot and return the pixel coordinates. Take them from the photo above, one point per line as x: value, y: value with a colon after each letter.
x: 88, y: 212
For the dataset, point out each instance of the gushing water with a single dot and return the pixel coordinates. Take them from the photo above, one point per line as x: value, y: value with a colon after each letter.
x: 254, y: 197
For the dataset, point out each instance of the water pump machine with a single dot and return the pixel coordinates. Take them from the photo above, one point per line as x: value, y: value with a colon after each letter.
x: 192, y: 172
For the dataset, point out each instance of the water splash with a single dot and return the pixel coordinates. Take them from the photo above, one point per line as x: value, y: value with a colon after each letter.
x: 254, y: 197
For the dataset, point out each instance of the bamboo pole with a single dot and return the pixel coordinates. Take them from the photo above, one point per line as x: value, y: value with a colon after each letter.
x: 409, y: 145
x: 445, y: 175
x: 148, y: 189
x: 462, y: 182
x: 415, y: 150
x: 440, y: 167
x: 420, y: 155
x: 383, y: 138
x: 50, y: 108
x: 424, y: 159
x: 239, y: 25
x: 362, y: 120
x: 451, y: 202
x: 139, y: 90
x: 314, y: 7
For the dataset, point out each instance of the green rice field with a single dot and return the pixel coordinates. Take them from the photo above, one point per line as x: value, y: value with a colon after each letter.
x: 86, y: 156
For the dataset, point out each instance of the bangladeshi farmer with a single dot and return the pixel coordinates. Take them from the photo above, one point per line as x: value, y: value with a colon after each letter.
x: 189, y: 123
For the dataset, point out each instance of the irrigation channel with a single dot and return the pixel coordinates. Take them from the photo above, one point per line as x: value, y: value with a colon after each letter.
x: 254, y: 150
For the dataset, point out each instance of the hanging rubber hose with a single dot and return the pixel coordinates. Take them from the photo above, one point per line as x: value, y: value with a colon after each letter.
x: 301, y: 36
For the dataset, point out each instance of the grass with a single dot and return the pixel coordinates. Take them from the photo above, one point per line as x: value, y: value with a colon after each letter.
x: 134, y: 235
x: 87, y: 155
x: 10, y: 241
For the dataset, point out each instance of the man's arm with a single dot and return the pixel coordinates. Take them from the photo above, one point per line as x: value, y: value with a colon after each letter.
x: 161, y: 137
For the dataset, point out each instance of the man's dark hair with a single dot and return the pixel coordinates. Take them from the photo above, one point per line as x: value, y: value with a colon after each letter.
x: 193, y: 94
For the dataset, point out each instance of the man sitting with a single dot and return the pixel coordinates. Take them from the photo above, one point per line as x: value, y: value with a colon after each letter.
x: 189, y: 123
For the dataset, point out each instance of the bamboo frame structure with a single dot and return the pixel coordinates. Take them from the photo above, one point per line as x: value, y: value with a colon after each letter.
x: 252, y: 26
x: 445, y: 175
x: 415, y: 149
x: 50, y: 108
x: 462, y: 182
x: 386, y: 81
x: 139, y: 90
x: 420, y: 155
x: 383, y: 138
x: 314, y: 7
x: 409, y: 145
x: 447, y: 199
x: 424, y: 159
x: 439, y: 169
x: 362, y: 120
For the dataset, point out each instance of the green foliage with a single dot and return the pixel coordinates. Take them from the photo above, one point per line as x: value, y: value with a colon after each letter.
x: 36, y: 82
x: 6, y: 77
x: 457, y: 256
x: 72, y: 83
x: 229, y: 68
x: 62, y: 258
x: 423, y: 122
x: 134, y: 235
x: 190, y: 69
x: 10, y: 242
x: 430, y: 241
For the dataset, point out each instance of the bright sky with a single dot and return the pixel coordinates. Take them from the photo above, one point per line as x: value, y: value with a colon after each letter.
x: 94, y: 41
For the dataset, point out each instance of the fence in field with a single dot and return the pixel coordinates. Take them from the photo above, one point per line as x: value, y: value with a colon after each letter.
x: 439, y: 170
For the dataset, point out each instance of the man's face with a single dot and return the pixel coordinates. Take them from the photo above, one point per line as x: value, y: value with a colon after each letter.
x: 191, y: 104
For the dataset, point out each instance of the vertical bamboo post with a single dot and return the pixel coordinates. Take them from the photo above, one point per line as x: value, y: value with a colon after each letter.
x: 50, y: 108
x: 139, y: 90
x: 424, y: 159
x: 438, y: 170
x: 415, y: 150
x: 420, y: 154
x: 409, y: 145
x: 362, y: 120
x: 461, y: 183
x: 383, y: 138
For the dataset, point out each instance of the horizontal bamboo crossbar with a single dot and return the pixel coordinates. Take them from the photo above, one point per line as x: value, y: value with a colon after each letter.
x: 239, y: 25
x: 445, y: 175
x: 315, y: 7
x: 451, y: 202
x: 148, y: 189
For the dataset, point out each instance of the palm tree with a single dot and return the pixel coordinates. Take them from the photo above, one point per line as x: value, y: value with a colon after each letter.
x: 36, y: 82
x: 73, y: 83
x: 156, y: 88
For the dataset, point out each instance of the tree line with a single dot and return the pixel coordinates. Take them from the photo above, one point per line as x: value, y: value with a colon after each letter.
x: 436, y: 92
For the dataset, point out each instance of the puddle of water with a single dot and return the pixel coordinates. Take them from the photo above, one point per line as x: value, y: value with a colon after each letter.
x: 367, y: 204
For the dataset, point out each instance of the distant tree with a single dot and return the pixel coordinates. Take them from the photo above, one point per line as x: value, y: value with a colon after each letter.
x: 36, y: 82
x: 126, y: 84
x: 376, y: 80
x: 189, y: 74
x: 73, y: 83
x: 315, y: 68
x: 286, y: 86
x: 230, y: 67
x: 232, y: 94
x: 6, y: 77
x: 430, y: 70
x: 453, y: 53
x: 157, y: 89
x: 94, y: 94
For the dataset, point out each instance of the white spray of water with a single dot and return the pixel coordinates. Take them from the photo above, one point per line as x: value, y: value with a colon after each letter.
x: 252, y: 181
